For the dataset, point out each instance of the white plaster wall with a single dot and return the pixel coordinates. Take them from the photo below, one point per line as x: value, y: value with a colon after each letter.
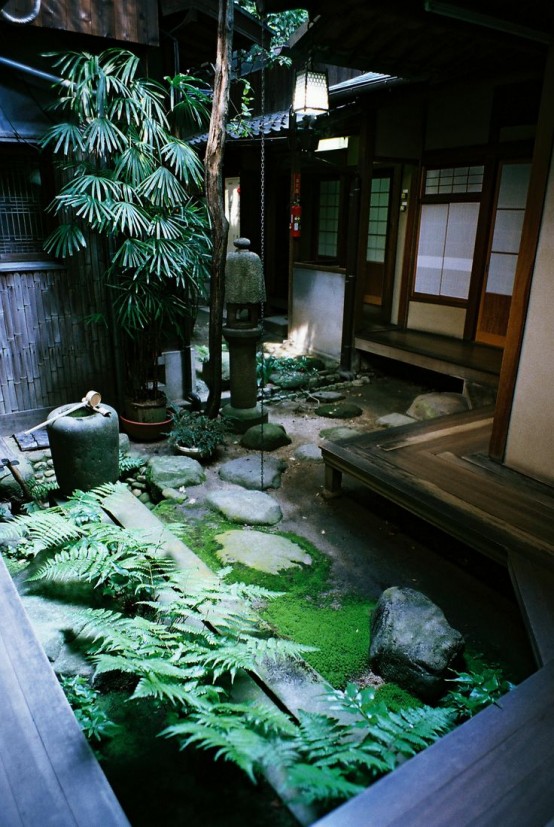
x: 437, y: 318
x: 317, y: 311
x: 530, y: 445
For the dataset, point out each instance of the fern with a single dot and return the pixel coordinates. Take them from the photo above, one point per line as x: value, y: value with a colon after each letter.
x: 316, y: 783
x: 128, y: 464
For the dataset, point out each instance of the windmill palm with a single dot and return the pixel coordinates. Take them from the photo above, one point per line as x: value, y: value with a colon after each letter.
x: 132, y: 181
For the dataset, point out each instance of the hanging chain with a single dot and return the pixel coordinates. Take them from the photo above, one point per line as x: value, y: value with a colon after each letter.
x: 262, y: 246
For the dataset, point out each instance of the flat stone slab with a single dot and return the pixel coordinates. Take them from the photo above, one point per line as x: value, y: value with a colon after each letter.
x: 308, y: 453
x: 175, y: 472
x: 395, y: 420
x: 248, y: 507
x: 247, y: 472
x: 339, y: 410
x: 263, y: 552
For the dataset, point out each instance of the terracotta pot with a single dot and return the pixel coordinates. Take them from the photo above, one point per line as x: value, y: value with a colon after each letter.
x: 145, y: 431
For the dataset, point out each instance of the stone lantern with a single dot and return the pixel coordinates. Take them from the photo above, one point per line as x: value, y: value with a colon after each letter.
x: 244, y: 294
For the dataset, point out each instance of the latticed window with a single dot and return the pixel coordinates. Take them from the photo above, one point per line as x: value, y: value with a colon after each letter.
x: 22, y: 218
x: 328, y: 223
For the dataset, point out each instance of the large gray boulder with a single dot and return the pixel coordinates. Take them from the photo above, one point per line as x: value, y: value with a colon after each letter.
x: 412, y: 643
x: 174, y: 472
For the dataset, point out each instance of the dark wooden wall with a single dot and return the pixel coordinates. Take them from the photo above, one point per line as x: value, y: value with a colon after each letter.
x: 134, y: 21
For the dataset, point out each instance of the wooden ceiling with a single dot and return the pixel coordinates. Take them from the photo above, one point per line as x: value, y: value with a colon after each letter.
x: 444, y: 41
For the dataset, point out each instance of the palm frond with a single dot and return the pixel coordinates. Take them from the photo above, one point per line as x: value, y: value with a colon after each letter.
x: 65, y: 137
x: 162, y: 188
x: 65, y: 240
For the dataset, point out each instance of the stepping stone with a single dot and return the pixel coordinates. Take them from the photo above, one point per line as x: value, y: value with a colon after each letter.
x: 328, y: 396
x: 248, y: 507
x: 395, y: 420
x: 308, y: 452
x: 264, y: 552
x: 247, y: 472
x: 267, y: 437
x: 339, y: 410
x: 431, y: 405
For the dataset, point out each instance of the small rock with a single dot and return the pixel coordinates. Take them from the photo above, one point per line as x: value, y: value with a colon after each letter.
x: 144, y: 497
x: 266, y: 437
x: 174, y: 494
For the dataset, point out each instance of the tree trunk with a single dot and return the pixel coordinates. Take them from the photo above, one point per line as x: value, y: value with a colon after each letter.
x: 214, y: 196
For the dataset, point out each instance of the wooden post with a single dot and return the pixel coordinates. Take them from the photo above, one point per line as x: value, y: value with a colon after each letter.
x: 214, y: 196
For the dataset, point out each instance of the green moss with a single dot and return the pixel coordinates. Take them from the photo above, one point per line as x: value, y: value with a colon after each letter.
x: 341, y: 633
x: 396, y: 698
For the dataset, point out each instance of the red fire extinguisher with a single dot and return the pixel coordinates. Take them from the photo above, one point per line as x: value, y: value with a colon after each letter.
x: 295, y: 220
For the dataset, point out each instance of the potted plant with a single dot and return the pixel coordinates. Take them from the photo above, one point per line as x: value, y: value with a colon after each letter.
x: 194, y: 434
x: 132, y: 182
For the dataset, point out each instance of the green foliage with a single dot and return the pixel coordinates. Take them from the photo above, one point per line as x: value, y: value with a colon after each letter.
x: 182, y: 639
x: 130, y: 180
x: 284, y: 366
x: 83, y: 699
x: 473, y: 691
x: 327, y: 757
x: 192, y: 429
x: 128, y: 464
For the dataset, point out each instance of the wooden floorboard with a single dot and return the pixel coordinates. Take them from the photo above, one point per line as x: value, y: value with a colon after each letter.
x: 442, y: 354
x: 493, y: 770
x: 48, y: 773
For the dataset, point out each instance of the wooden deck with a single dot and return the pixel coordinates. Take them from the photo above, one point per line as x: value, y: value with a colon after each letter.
x: 49, y: 776
x: 442, y: 354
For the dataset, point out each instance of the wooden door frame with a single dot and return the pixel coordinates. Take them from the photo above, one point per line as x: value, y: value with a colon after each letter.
x: 540, y: 167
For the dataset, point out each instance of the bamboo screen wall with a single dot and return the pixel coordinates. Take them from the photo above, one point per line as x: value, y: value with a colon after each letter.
x: 48, y: 354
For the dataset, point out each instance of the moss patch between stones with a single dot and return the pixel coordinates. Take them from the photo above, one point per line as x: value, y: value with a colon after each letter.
x: 306, y: 612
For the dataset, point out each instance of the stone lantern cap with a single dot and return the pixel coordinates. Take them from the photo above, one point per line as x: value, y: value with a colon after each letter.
x: 244, y: 278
